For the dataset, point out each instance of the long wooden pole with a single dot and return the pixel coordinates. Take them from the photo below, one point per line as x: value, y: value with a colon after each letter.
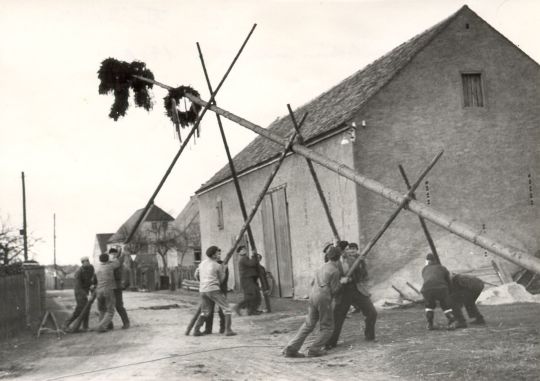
x: 25, y: 234
x: 261, y: 196
x: 264, y: 283
x: 229, y: 156
x: 186, y: 141
x: 400, y: 207
x: 451, y: 224
x: 315, y: 180
x: 422, y: 221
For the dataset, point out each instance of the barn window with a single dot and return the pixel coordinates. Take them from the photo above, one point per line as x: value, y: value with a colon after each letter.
x: 473, y: 94
x: 219, y: 208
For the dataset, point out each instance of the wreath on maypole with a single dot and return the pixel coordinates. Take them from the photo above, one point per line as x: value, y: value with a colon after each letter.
x: 119, y: 77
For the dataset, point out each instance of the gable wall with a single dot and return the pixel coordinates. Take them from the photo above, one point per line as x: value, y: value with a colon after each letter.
x: 482, y: 177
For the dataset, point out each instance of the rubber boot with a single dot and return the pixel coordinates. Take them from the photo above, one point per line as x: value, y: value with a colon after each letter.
x: 451, y: 319
x: 228, y: 329
x: 429, y: 317
x: 110, y: 327
x: 198, y: 324
x: 221, y: 321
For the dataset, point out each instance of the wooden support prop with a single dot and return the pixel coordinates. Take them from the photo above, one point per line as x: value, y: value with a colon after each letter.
x: 250, y: 217
x: 315, y: 179
x: 400, y: 207
x: 262, y: 194
x: 414, y: 288
x: 451, y: 224
x: 402, y: 295
x: 186, y: 141
x: 422, y: 221
x: 264, y: 283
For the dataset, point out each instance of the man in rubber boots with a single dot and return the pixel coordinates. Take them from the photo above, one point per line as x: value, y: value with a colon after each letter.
x: 436, y: 288
x: 212, y: 275
x: 248, y: 269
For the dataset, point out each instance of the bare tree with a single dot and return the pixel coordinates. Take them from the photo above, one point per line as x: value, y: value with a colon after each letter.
x: 12, y: 244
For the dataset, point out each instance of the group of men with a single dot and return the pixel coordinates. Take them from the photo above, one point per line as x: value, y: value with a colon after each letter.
x: 334, y: 289
x: 452, y: 292
x: 106, y: 281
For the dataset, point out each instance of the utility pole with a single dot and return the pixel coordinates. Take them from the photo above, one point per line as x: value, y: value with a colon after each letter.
x: 25, y: 238
x: 54, y: 252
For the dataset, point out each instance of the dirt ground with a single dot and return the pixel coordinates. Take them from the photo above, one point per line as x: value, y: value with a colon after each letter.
x: 156, y: 347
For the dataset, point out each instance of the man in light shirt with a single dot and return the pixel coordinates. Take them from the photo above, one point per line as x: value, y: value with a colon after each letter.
x: 211, y: 276
x: 105, y: 289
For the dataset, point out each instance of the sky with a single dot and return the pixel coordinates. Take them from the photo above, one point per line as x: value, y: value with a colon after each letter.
x: 93, y: 173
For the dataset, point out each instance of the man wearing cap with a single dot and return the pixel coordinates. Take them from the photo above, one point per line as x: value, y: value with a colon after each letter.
x: 353, y: 293
x: 83, y: 281
x: 249, y: 272
x: 465, y: 290
x: 212, y: 275
x: 105, y: 289
x: 118, y: 288
x: 436, y: 288
x: 324, y: 287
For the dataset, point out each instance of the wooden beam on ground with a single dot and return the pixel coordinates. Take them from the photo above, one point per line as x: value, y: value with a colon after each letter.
x: 315, y: 180
x: 422, y: 221
x: 448, y: 223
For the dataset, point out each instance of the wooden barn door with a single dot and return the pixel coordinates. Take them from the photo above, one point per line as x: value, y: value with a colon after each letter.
x: 277, y: 243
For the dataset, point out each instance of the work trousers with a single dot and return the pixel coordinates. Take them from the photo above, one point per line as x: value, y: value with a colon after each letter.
x: 119, y: 305
x: 106, y: 303
x: 351, y: 296
x: 209, y: 299
x: 81, y: 298
x: 252, y: 295
x: 465, y: 298
x: 434, y: 295
x: 319, y: 310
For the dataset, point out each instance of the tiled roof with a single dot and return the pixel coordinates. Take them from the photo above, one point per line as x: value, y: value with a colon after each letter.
x: 336, y: 106
x: 154, y: 214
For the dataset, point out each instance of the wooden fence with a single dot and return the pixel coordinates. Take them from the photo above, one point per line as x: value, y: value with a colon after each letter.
x: 22, y: 300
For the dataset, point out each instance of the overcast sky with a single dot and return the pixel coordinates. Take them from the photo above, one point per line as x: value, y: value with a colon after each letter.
x: 94, y: 172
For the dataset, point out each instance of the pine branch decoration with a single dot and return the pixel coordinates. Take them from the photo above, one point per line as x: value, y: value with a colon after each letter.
x: 117, y: 77
x: 187, y: 117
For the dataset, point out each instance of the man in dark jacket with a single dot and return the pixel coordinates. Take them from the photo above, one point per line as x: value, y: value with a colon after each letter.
x: 248, y: 269
x: 436, y: 288
x: 119, y: 287
x: 465, y: 290
x: 83, y: 281
x: 324, y: 287
x: 353, y: 293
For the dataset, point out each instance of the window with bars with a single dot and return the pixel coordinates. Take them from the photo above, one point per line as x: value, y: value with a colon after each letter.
x: 473, y: 93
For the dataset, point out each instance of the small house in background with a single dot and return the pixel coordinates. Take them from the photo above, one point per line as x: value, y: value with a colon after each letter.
x: 189, y: 248
x: 152, y: 251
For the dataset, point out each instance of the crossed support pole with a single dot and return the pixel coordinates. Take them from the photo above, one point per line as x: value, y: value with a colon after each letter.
x: 260, y: 271
x: 252, y: 213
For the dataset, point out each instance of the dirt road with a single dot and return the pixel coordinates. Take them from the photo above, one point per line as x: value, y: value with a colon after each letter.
x: 155, y: 348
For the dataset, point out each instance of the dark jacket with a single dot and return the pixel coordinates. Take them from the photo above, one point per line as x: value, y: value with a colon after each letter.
x: 247, y: 267
x: 467, y: 283
x: 435, y: 276
x: 83, y: 277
